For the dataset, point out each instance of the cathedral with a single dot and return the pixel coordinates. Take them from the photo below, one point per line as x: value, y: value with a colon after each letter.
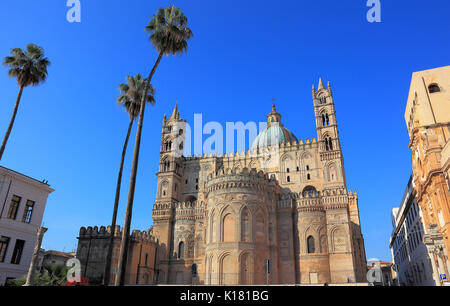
x: 279, y: 213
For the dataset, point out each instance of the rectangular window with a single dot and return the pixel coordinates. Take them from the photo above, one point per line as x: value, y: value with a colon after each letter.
x: 4, y: 241
x: 17, y: 253
x: 14, y: 207
x: 28, y: 212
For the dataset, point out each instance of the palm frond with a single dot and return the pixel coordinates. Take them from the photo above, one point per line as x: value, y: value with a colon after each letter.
x: 168, y: 31
x: 131, y: 94
x: 30, y: 67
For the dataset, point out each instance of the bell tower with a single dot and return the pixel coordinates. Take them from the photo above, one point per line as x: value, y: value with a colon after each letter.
x: 169, y: 188
x: 170, y: 164
x: 327, y: 134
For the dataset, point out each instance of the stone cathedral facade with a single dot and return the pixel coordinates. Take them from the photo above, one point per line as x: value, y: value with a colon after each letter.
x: 219, y: 219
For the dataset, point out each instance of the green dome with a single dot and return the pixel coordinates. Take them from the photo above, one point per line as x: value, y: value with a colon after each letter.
x: 274, y: 133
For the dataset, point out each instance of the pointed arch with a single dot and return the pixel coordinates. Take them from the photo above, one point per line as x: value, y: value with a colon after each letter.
x: 245, y: 269
x: 325, y: 117
x: 164, y: 188
x: 226, y: 275
x: 181, y: 250
x: 260, y: 227
x: 323, y: 240
x: 212, y: 227
x: 228, y: 225
x: 245, y: 219
x: 331, y: 172
x: 310, y: 244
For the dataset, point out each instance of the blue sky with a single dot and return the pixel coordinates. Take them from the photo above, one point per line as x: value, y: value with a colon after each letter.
x: 70, y: 130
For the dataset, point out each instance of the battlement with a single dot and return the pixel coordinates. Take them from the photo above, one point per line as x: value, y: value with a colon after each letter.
x: 105, y: 232
x: 144, y: 236
x: 181, y: 210
x: 245, y: 172
x: 256, y: 153
x: 236, y: 178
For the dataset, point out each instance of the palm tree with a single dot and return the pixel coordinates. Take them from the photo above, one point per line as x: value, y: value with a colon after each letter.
x: 130, y: 97
x: 29, y: 68
x: 169, y: 34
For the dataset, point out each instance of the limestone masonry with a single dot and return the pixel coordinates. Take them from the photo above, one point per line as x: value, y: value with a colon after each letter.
x: 282, y: 205
x: 219, y: 218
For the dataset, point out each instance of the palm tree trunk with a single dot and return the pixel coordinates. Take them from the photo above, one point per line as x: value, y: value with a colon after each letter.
x: 107, y: 272
x: 120, y: 277
x: 11, y: 123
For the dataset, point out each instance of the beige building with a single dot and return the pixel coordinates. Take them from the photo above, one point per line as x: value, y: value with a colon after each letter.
x: 219, y: 219
x: 427, y: 118
x: 22, y: 204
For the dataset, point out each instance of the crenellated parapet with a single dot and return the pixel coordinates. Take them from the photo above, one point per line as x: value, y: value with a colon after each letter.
x: 178, y: 210
x: 163, y: 211
x: 189, y: 210
x: 332, y: 198
x: 226, y: 180
x: 143, y: 236
x: 257, y: 153
x: 335, y: 198
x: 102, y: 232
x: 105, y: 232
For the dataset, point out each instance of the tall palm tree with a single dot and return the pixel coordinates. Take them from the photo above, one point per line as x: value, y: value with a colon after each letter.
x: 130, y: 98
x: 169, y: 35
x: 30, y: 69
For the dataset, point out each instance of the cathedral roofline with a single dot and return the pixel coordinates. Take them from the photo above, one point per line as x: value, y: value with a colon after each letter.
x: 256, y: 151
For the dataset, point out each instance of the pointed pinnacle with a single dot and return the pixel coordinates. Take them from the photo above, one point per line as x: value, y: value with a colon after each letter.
x: 320, y: 84
x: 175, y: 113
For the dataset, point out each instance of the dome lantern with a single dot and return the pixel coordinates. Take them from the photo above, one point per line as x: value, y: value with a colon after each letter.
x: 274, y: 133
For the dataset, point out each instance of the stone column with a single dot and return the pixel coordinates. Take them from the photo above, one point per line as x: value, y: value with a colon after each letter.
x: 31, y: 271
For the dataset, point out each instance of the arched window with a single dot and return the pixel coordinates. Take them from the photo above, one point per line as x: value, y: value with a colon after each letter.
x: 245, y: 225
x: 166, y: 166
x: 164, y: 188
x: 190, y: 198
x: 328, y: 143
x: 309, y: 191
x: 310, y: 244
x: 212, y: 230
x: 434, y: 88
x: 308, y: 176
x: 228, y: 228
x: 260, y: 228
x: 181, y: 250
x: 288, y: 179
x: 325, y: 119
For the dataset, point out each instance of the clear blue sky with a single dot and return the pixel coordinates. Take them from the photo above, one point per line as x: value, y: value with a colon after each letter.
x: 70, y: 130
